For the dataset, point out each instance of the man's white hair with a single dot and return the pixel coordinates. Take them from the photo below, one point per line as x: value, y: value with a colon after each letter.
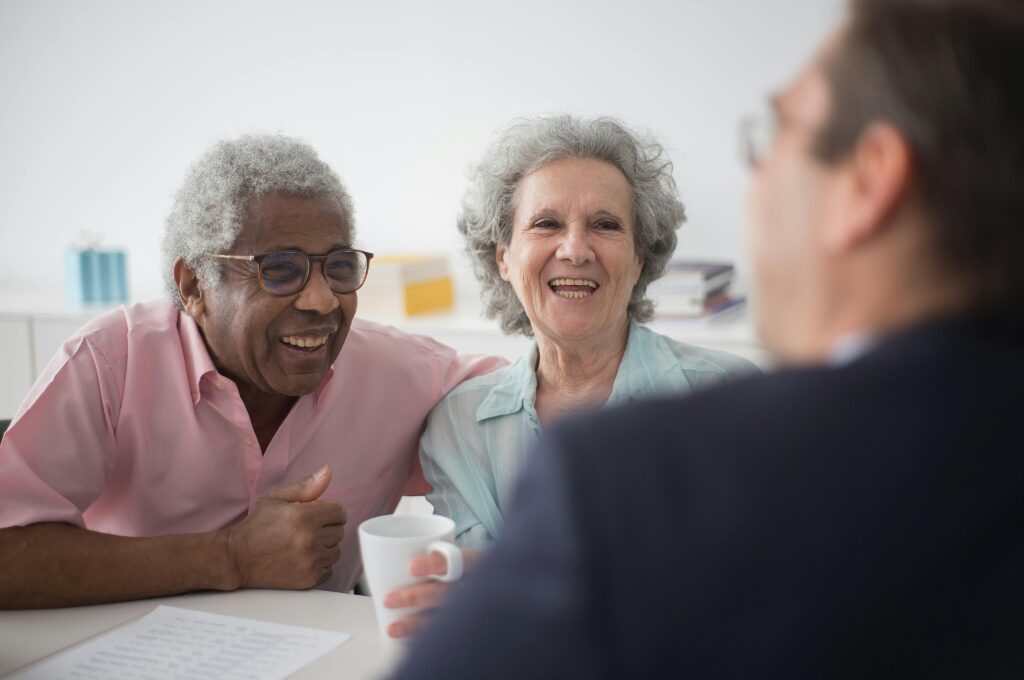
x: 210, y: 207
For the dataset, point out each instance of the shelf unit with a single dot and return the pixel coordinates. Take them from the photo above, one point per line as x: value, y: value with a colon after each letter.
x: 34, y: 324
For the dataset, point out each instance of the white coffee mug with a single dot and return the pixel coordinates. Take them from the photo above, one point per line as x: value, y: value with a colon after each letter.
x: 390, y: 542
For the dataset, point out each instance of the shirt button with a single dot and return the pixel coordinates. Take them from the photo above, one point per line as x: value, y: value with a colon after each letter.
x: 250, y: 441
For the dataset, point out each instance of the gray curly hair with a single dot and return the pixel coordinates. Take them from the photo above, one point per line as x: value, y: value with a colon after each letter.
x: 527, y: 145
x: 210, y: 207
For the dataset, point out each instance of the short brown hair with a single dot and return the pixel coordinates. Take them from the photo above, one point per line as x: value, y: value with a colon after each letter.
x: 947, y: 74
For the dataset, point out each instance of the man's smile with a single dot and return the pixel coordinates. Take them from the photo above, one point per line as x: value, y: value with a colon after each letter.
x: 307, y: 342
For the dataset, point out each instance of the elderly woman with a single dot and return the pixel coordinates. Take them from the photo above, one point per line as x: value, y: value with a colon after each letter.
x: 567, y: 221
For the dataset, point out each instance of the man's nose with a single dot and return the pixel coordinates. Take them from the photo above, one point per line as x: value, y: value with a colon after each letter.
x: 317, y: 296
x: 575, y: 247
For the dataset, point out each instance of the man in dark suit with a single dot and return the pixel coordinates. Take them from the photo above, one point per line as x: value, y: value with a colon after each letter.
x: 860, y: 513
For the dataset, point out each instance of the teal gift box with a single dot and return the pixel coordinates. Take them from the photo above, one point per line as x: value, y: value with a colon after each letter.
x: 94, y: 275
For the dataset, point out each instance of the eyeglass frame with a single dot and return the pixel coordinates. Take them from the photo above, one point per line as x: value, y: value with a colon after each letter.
x: 757, y: 132
x: 756, y: 135
x: 310, y: 259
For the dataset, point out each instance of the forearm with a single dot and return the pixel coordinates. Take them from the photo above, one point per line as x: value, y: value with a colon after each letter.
x: 58, y: 565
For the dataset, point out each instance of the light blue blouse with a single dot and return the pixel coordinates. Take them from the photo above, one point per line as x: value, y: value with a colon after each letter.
x: 478, y: 436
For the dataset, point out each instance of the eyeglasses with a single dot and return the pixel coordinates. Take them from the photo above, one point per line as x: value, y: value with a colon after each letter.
x: 286, y: 272
x: 757, y: 134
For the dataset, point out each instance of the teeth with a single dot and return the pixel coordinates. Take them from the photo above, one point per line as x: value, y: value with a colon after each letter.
x: 306, y: 343
x: 574, y: 282
x: 573, y: 294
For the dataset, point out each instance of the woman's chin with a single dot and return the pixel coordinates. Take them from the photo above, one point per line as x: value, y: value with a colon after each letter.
x: 572, y: 330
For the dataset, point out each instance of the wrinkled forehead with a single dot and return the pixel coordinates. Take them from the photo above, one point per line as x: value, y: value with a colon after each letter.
x: 285, y: 221
x: 577, y: 177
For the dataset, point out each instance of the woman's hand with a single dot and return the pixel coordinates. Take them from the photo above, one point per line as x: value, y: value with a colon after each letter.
x: 425, y: 595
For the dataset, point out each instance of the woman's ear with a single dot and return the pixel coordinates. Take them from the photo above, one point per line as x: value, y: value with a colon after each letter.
x: 500, y: 255
x: 190, y: 289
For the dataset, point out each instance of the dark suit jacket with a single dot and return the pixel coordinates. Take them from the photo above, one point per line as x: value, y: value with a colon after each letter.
x: 862, y: 521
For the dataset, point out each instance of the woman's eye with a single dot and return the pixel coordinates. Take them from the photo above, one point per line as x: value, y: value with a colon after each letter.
x: 545, y: 224
x: 608, y: 225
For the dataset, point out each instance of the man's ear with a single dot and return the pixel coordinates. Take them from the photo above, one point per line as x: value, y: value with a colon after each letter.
x: 876, y: 184
x: 190, y: 289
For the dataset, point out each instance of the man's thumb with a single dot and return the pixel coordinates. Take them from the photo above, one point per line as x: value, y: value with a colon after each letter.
x: 304, y: 490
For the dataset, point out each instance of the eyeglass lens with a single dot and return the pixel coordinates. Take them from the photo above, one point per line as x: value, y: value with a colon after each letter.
x: 757, y: 134
x: 285, y: 273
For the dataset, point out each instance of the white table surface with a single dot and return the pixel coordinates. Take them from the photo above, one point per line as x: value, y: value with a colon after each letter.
x: 27, y: 636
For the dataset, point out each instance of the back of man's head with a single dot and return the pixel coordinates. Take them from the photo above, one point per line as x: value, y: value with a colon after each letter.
x: 948, y: 74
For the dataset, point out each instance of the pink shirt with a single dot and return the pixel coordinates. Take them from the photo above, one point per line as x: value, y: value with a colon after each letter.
x: 131, y: 430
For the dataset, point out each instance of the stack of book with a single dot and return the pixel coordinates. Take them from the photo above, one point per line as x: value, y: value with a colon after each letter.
x: 406, y: 285
x: 692, y: 288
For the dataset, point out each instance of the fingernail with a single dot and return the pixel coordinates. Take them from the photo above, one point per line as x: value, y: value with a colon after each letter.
x: 392, y: 601
x: 397, y: 630
x: 320, y: 473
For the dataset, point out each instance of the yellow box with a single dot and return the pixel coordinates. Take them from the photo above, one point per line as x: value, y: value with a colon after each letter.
x: 424, y: 297
x: 400, y: 285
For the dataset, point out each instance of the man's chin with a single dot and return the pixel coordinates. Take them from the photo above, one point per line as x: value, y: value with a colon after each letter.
x: 301, y: 373
x: 298, y: 385
x: 307, y: 388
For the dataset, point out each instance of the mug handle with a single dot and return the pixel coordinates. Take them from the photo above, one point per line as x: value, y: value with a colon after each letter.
x: 452, y: 556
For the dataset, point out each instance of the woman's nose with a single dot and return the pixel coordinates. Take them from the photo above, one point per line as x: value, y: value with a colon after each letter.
x: 575, y: 246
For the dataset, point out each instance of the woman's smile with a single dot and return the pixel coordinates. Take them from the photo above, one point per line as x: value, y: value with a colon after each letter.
x: 574, y: 289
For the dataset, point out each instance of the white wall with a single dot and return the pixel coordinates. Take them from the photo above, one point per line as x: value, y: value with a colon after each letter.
x: 104, y: 103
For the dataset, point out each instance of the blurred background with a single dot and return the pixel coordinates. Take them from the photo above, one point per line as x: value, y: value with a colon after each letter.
x: 106, y: 102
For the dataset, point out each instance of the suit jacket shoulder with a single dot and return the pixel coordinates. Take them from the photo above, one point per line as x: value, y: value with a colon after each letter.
x: 863, y: 513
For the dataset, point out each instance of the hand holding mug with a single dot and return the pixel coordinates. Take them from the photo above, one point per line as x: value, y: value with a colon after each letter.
x: 389, y: 545
x: 424, y: 595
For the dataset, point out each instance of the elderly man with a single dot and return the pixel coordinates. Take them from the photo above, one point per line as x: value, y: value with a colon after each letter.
x: 857, y: 516
x: 222, y: 439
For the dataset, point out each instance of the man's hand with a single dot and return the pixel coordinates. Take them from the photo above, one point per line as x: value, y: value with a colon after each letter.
x: 426, y: 595
x: 290, y: 539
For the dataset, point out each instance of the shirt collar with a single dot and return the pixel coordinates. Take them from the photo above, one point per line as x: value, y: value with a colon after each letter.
x: 328, y: 376
x: 198, y: 363
x: 647, y: 368
x: 197, y: 359
x: 517, y: 388
x: 850, y: 347
x: 634, y: 378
